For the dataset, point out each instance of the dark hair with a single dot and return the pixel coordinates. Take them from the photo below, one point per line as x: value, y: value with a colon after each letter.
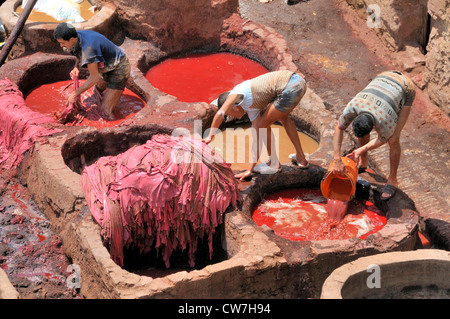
x: 362, y: 124
x: 65, y: 31
x: 222, y: 98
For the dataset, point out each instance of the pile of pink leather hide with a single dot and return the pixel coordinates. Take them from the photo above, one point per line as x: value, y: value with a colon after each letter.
x: 166, y: 194
x: 20, y: 127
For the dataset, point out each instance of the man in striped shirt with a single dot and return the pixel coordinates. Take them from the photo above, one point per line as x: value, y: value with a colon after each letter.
x: 267, y: 98
x: 384, y: 104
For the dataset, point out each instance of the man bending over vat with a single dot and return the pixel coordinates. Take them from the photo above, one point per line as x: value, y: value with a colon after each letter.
x: 385, y: 105
x: 267, y: 98
x: 108, y: 66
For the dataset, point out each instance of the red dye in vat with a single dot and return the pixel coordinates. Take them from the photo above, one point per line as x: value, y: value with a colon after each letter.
x: 301, y: 214
x: 202, y: 77
x: 51, y: 99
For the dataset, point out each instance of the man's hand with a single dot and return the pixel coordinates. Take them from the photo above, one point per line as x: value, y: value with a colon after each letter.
x: 244, y: 175
x: 73, y: 98
x: 208, y: 139
x: 357, y: 154
x: 74, y: 73
x: 338, y: 167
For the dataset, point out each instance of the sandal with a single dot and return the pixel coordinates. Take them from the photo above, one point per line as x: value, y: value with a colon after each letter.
x: 263, y: 168
x: 293, y: 157
x: 389, y: 190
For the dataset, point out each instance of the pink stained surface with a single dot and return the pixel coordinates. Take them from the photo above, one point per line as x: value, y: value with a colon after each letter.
x: 301, y: 214
x: 51, y: 99
x: 202, y: 77
x: 20, y: 127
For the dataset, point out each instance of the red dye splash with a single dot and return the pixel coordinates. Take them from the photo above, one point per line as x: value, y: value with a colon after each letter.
x: 202, y: 77
x: 339, y: 195
x: 336, y: 208
x: 301, y: 214
x: 51, y: 99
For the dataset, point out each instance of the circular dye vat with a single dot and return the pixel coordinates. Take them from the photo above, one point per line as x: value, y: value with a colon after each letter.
x: 51, y: 99
x: 202, y: 77
x: 301, y: 214
x: 234, y: 144
x: 52, y: 12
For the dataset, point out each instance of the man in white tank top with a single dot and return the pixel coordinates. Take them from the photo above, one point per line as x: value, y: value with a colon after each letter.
x: 266, y: 99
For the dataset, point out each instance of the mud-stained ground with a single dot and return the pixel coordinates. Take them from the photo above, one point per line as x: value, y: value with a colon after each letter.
x: 31, y: 255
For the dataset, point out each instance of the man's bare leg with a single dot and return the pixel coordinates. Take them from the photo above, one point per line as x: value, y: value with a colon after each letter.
x: 292, y: 133
x: 101, y: 85
x: 394, y: 161
x: 364, y: 159
x: 110, y: 100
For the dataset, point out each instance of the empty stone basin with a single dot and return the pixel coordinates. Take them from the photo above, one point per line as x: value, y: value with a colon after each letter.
x: 419, y: 274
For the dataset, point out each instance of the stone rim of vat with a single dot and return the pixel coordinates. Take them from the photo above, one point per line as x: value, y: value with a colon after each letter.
x: 38, y: 36
x: 350, y: 280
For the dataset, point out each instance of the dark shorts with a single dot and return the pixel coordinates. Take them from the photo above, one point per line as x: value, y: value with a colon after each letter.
x: 291, y: 95
x: 117, y: 78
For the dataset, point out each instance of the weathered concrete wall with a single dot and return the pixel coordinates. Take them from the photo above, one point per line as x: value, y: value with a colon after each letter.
x: 437, y: 76
x: 414, y: 25
x: 401, y: 21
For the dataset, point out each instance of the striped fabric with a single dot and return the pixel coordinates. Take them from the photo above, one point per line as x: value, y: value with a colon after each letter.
x: 392, y: 87
x: 266, y: 87
x: 383, y: 97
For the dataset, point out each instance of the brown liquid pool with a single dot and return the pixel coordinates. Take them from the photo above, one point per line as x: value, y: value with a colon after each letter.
x: 234, y: 145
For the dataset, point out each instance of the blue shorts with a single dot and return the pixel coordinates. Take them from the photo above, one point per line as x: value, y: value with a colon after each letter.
x: 291, y: 95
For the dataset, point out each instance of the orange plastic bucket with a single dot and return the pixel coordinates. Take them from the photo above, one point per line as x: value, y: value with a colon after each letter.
x: 340, y: 187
